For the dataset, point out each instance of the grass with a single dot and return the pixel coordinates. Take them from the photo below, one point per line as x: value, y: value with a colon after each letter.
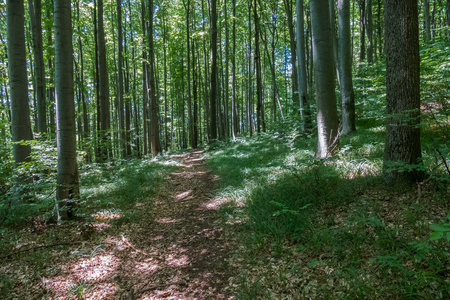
x: 330, y: 228
x: 114, y: 195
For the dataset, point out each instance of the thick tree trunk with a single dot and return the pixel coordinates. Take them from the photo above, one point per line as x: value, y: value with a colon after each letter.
x: 345, y: 68
x: 327, y: 120
x: 18, y: 83
x: 402, y: 92
x: 67, y: 190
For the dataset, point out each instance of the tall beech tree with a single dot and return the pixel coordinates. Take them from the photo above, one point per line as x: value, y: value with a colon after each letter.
x: 67, y: 189
x: 327, y: 119
x: 402, y: 92
x: 155, y: 144
x: 34, y: 10
x: 301, y: 59
x: 18, y: 83
x: 345, y: 67
x: 103, y: 85
x: 213, y: 88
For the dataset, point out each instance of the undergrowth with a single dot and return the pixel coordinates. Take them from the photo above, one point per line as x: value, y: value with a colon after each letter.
x: 331, y: 229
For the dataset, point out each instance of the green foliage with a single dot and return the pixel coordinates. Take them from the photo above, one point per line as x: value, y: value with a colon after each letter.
x: 335, y: 214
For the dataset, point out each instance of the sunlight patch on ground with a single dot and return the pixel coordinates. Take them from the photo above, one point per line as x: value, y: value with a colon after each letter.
x: 107, y: 214
x: 86, y: 277
x: 100, y: 226
x: 119, y: 243
x: 215, y: 204
x: 183, y: 195
x: 146, y: 267
x: 167, y: 221
x: 96, y: 268
x: 177, y: 261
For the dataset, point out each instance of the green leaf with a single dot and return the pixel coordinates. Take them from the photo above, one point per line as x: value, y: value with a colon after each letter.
x: 437, y: 235
x: 314, y: 263
x: 440, y: 227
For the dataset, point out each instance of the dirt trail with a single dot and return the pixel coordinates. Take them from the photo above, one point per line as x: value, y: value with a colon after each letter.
x: 183, y: 254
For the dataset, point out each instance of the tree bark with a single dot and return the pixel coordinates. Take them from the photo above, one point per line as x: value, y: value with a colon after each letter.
x: 402, y: 92
x: 36, y: 25
x: 369, y: 32
x: 301, y: 58
x: 327, y: 120
x: 105, y: 122
x: 213, y: 89
x: 67, y: 190
x: 362, y: 29
x: 18, y: 83
x: 289, y: 12
x: 156, y: 146
x: 345, y: 68
x: 426, y: 17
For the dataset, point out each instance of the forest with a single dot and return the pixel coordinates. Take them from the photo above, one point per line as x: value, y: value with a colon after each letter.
x: 224, y: 149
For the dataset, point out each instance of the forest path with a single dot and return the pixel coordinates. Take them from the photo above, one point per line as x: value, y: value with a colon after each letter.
x: 183, y: 254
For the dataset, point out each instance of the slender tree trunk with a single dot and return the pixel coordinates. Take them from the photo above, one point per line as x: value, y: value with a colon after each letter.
x: 369, y: 32
x: 234, y: 123
x: 362, y: 29
x: 18, y: 83
x: 105, y: 123
x: 250, y: 83
x: 327, y: 120
x: 213, y: 89
x: 67, y: 190
x: 426, y: 20
x: 156, y: 146
x: 302, y: 85
x: 36, y: 25
x: 289, y: 12
x: 402, y: 92
x: 258, y: 70
x: 121, y: 108
x: 345, y: 63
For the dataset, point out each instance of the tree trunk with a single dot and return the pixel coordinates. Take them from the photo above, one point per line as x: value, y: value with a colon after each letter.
x: 234, y: 123
x: 36, y: 25
x: 369, y: 32
x: 121, y: 106
x: 156, y: 146
x: 327, y: 120
x: 426, y: 17
x: 402, y: 92
x: 345, y: 68
x: 362, y: 29
x: 213, y: 89
x: 302, y: 84
x: 289, y: 12
x: 67, y: 190
x: 103, y: 89
x: 18, y: 83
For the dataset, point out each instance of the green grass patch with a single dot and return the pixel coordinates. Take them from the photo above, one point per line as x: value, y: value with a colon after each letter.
x: 331, y: 228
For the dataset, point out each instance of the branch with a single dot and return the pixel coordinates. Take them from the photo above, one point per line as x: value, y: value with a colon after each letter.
x: 39, y: 247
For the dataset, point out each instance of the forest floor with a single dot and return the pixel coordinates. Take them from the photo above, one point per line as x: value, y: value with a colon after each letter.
x: 178, y: 250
